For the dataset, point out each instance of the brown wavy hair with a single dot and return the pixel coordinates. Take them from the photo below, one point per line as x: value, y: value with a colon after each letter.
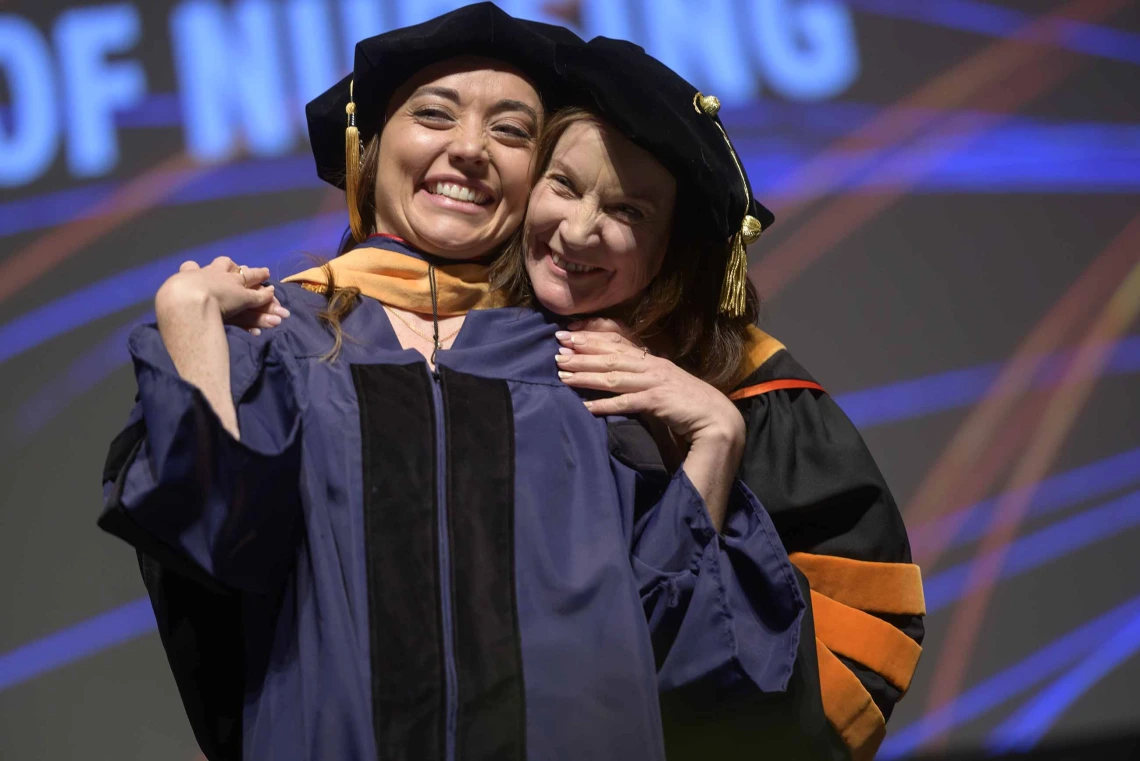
x: 339, y: 302
x: 677, y: 316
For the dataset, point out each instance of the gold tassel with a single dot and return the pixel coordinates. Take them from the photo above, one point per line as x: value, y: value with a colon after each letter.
x: 733, y: 293
x: 352, y: 168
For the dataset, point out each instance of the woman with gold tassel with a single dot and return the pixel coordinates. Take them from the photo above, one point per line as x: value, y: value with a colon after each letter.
x: 427, y: 545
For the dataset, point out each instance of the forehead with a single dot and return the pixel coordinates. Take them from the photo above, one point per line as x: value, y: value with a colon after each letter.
x: 474, y: 79
x: 604, y: 156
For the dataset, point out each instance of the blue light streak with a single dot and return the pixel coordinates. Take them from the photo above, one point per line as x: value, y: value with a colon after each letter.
x: 1009, y: 682
x: 1032, y: 721
x: 1039, y: 548
x: 107, y: 630
x: 995, y: 21
x: 954, y: 389
x: 257, y: 249
x: 1052, y: 494
x: 775, y: 140
x: 243, y: 178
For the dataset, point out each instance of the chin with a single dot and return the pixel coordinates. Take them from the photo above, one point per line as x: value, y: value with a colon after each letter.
x: 556, y: 300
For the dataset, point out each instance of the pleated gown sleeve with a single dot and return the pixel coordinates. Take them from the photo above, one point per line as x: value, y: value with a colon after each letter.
x: 842, y: 529
x: 183, y: 491
x: 723, y: 608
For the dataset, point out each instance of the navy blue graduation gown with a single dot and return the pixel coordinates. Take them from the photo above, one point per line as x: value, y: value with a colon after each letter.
x: 426, y: 565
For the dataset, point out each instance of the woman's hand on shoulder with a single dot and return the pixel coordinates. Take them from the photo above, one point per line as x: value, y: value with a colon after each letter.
x: 235, y: 291
x: 600, y: 354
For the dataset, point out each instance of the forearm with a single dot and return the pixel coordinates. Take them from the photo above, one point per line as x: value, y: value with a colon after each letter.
x: 190, y: 324
x: 711, y: 466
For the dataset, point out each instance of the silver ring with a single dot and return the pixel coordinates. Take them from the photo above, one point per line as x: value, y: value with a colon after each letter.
x: 644, y: 352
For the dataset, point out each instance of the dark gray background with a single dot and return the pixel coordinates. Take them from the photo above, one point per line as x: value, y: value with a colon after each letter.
x: 944, y: 278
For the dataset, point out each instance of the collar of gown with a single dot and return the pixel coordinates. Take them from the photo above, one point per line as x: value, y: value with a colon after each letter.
x: 393, y: 272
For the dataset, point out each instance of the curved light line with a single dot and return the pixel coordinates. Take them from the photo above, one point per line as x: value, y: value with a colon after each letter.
x: 1032, y: 551
x: 1008, y: 73
x: 87, y: 638
x: 1054, y: 493
x: 969, y: 464
x: 904, y: 400
x: 143, y: 192
x: 261, y: 248
x: 1050, y: 433
x: 1023, y: 730
x: 996, y: 21
x: 80, y: 205
x: 96, y: 363
x: 1009, y: 682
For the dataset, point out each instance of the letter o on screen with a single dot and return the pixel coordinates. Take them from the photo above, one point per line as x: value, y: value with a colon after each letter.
x: 29, y: 133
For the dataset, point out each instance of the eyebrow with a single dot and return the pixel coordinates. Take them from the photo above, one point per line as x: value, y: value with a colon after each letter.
x: 506, y: 104
x: 560, y: 165
x: 442, y: 92
x: 514, y: 105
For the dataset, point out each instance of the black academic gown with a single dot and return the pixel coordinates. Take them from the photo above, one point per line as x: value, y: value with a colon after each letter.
x: 861, y: 637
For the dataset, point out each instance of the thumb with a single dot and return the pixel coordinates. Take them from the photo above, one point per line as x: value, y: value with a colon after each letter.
x: 259, y: 297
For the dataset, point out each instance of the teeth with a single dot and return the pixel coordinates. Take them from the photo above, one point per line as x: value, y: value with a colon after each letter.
x: 571, y: 266
x: 459, y: 193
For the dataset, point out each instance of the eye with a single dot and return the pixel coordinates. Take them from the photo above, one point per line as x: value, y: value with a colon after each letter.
x: 513, y: 130
x: 432, y: 113
x: 561, y: 179
x: 629, y: 213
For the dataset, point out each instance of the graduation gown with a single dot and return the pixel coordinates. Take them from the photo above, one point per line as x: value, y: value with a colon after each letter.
x: 861, y: 637
x: 398, y: 564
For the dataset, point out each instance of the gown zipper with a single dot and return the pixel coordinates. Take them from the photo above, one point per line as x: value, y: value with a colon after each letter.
x: 451, y: 679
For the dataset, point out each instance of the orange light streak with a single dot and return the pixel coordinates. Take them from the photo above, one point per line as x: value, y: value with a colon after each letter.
x: 1049, y: 435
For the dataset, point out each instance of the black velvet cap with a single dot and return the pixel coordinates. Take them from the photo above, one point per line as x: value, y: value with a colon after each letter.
x: 386, y: 61
x: 654, y: 107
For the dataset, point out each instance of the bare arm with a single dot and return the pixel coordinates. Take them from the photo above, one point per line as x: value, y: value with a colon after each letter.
x: 191, y: 307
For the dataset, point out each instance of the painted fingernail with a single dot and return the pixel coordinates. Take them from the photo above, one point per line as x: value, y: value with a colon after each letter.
x: 563, y: 374
x: 565, y: 350
x: 562, y: 335
x: 560, y: 357
x: 576, y: 339
x: 255, y: 331
x: 282, y: 312
x: 273, y: 319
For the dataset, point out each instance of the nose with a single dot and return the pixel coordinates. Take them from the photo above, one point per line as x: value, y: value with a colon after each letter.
x: 579, y: 229
x: 469, y: 146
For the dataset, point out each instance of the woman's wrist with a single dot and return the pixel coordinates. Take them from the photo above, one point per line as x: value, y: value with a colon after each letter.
x: 183, y: 297
x: 725, y: 436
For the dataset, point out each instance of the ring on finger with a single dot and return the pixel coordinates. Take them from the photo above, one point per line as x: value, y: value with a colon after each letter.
x: 644, y: 352
x: 241, y: 271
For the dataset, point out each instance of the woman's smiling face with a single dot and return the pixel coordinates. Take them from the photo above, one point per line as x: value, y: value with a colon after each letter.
x: 453, y: 173
x: 598, y: 223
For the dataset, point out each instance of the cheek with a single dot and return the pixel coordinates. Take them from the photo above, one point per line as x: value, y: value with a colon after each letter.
x: 544, y: 213
x: 514, y: 176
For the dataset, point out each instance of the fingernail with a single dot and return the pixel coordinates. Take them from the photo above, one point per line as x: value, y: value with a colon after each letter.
x: 576, y: 339
x: 255, y: 331
x: 273, y: 319
x: 283, y: 312
x: 562, y: 335
x: 560, y: 358
x: 565, y: 350
x: 563, y: 374
x: 588, y: 404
